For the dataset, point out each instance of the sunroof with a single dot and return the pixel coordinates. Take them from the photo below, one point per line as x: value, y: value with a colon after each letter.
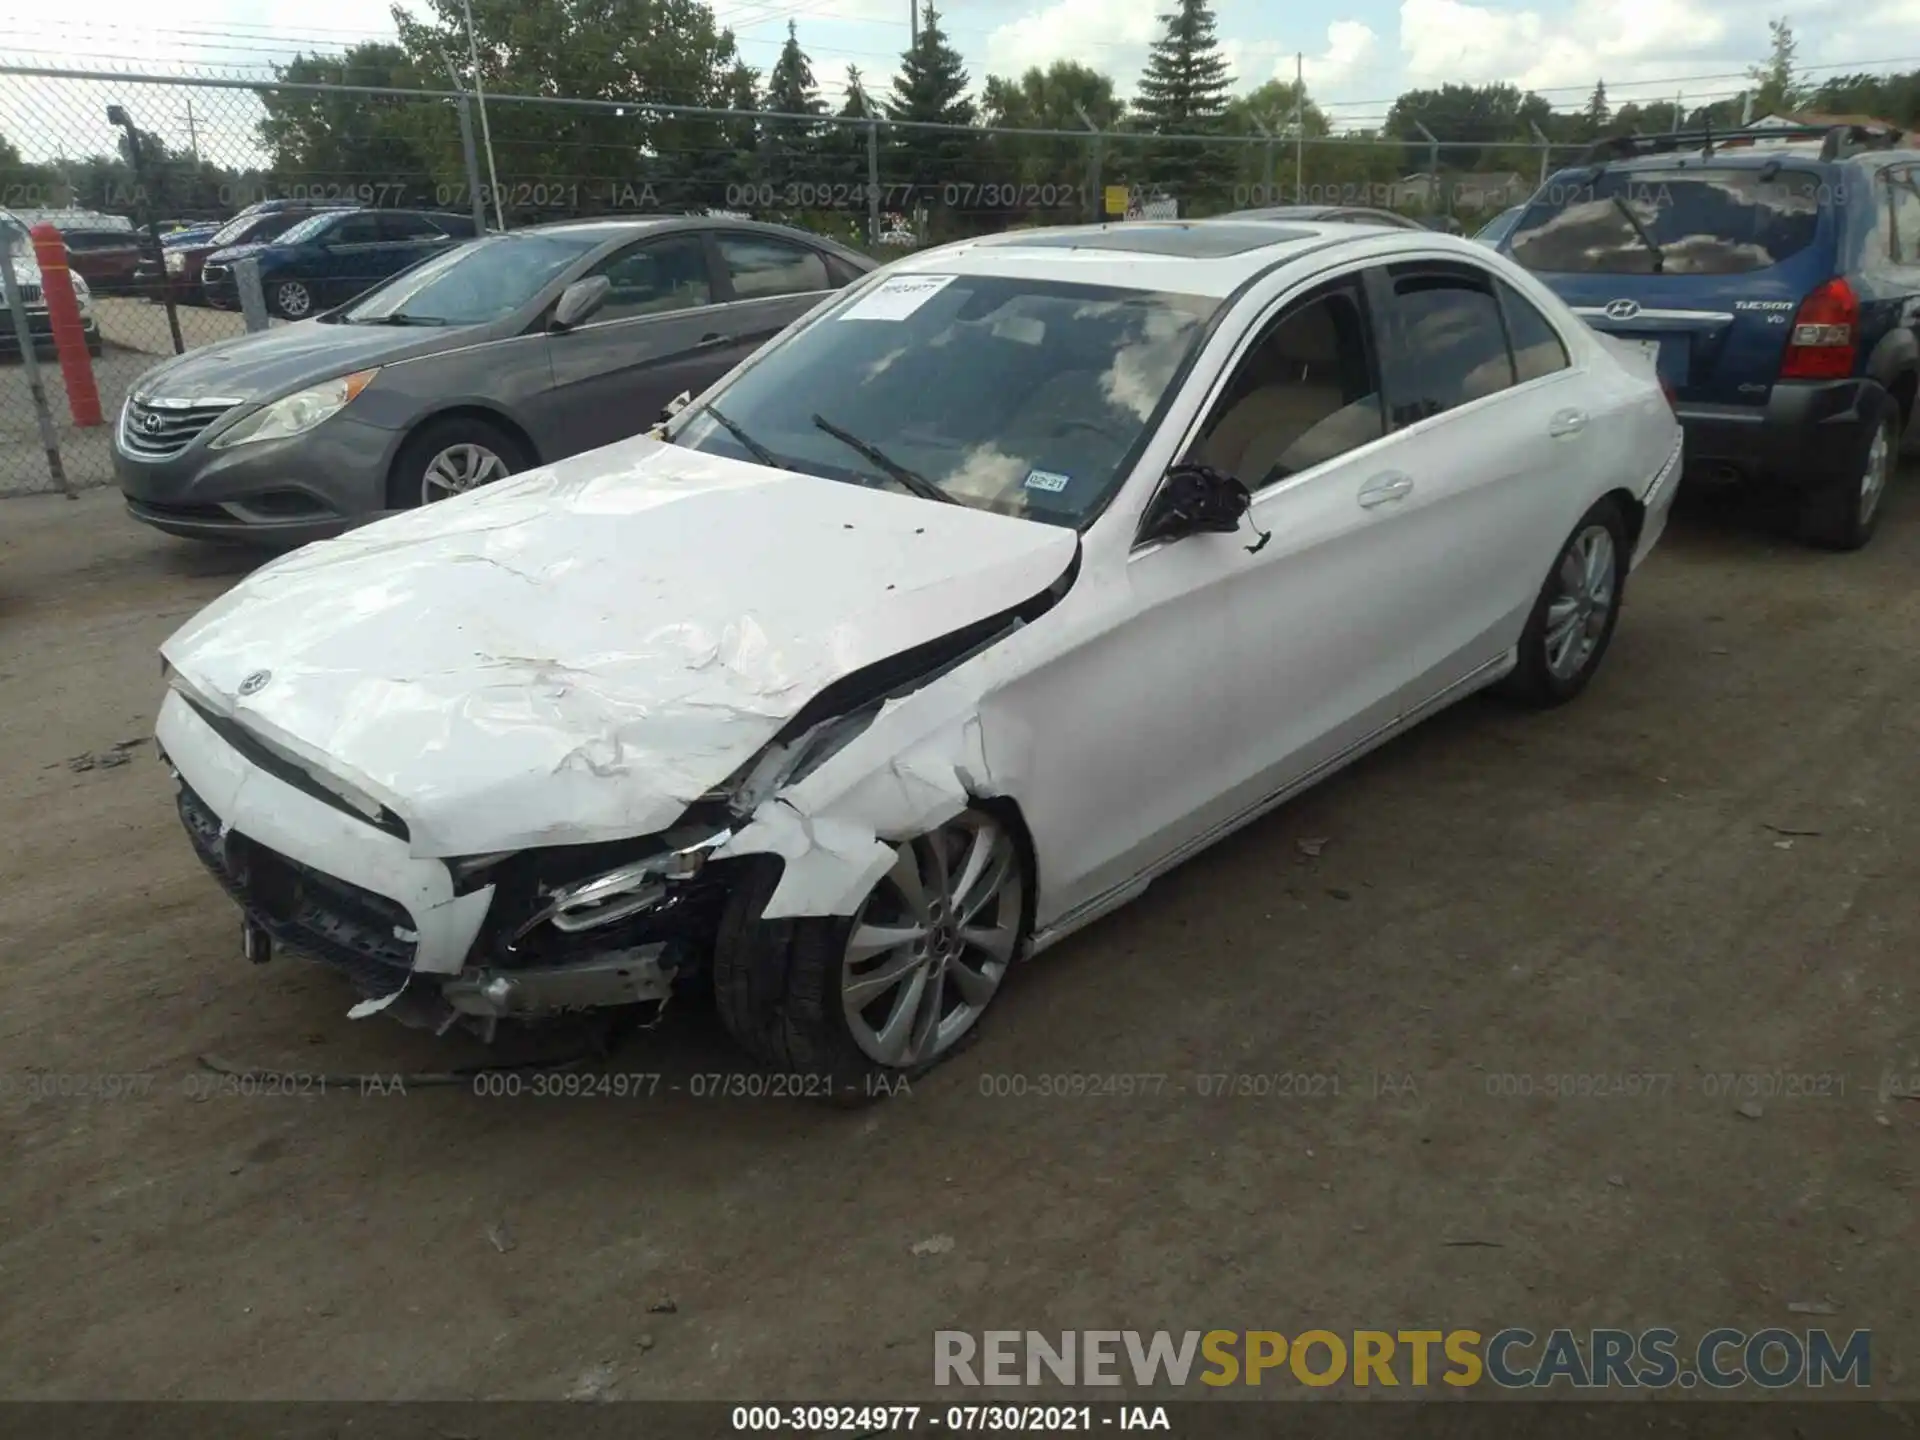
x: 1209, y: 240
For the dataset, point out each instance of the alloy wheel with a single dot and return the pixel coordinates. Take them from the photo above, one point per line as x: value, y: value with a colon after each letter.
x: 929, y: 947
x: 1879, y: 469
x: 294, y: 299
x: 1588, y: 578
x: 458, y: 469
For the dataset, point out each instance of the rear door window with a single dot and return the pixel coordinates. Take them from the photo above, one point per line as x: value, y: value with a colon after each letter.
x: 1903, y: 215
x: 1447, y: 345
x: 1692, y: 221
x: 760, y: 266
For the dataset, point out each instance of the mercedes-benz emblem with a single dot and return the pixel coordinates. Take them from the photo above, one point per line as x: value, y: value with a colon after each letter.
x: 256, y: 682
x: 1622, y: 309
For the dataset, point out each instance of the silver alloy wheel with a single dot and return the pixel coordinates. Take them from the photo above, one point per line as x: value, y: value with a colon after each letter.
x: 929, y: 947
x: 1577, y: 614
x: 293, y: 298
x: 1879, y: 469
x: 458, y: 469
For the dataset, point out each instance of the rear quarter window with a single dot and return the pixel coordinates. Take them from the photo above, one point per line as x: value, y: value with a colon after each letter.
x: 1700, y: 221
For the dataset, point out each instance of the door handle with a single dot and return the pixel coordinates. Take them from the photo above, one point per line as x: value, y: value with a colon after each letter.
x: 707, y: 342
x: 1382, y: 488
x: 1567, y: 422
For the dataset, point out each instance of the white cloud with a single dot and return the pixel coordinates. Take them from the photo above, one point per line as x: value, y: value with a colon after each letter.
x: 1060, y: 31
x: 1351, y: 50
x: 1616, y: 40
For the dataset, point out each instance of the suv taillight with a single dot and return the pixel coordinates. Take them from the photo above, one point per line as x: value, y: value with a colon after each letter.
x: 1825, y: 334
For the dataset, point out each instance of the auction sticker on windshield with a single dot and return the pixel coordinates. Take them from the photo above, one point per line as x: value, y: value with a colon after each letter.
x: 897, y: 298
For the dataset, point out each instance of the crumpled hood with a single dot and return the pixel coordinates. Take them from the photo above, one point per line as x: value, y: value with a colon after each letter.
x: 577, y: 653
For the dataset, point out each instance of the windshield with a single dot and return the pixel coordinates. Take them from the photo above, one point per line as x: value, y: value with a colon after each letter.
x: 471, y: 284
x: 306, y: 229
x: 1690, y: 222
x: 1021, y: 396
x: 1495, y: 230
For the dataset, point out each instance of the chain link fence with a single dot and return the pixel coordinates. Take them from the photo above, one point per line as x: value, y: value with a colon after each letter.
x: 147, y: 176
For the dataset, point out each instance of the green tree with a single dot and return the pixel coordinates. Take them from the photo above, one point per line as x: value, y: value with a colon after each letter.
x: 1184, y: 92
x: 1779, y: 82
x: 1598, y: 113
x: 1480, y: 127
x: 793, y: 146
x: 356, y: 146
x: 931, y: 89
x: 631, y: 53
x: 1281, y: 113
x: 1053, y: 177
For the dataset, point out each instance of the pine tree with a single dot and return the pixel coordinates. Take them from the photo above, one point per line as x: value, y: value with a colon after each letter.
x: 793, y: 146
x: 1184, y: 92
x: 1184, y: 89
x: 843, y: 148
x: 1778, y: 79
x: 1598, y: 112
x: 931, y: 88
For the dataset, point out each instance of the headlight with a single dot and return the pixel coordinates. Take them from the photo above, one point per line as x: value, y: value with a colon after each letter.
x: 176, y: 262
x: 297, y: 413
x: 83, y: 297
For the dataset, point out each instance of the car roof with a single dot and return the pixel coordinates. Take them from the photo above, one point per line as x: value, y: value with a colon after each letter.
x: 1387, y: 218
x: 1195, y: 257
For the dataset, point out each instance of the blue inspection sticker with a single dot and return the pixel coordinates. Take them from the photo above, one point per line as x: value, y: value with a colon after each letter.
x: 1050, y: 481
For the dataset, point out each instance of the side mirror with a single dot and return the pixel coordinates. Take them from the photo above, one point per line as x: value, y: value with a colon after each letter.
x: 578, y: 302
x: 1196, y: 500
x: 677, y: 404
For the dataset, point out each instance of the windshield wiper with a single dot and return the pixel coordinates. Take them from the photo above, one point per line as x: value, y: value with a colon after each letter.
x: 400, y: 317
x: 910, y: 479
x: 1653, y: 249
x: 739, y: 432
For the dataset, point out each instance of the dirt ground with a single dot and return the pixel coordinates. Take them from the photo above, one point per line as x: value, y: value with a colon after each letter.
x: 1703, y: 870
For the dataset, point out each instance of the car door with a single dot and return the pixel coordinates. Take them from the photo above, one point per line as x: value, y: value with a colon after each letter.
x: 770, y: 282
x: 347, y: 258
x: 660, y: 332
x: 1272, y: 636
x: 1496, y: 451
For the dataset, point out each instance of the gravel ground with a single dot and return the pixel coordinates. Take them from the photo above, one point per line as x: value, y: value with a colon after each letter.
x: 1702, y: 871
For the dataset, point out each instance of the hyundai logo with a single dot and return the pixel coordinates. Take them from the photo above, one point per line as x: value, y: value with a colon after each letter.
x: 150, y: 421
x: 1622, y: 309
x: 256, y: 682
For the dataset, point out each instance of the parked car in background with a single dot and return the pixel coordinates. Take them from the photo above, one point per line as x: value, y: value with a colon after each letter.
x: 984, y: 596
x: 26, y: 276
x: 1498, y: 228
x: 110, y: 259
x: 1779, y: 288
x: 328, y: 258
x: 487, y: 358
x: 183, y: 257
x: 1323, y: 214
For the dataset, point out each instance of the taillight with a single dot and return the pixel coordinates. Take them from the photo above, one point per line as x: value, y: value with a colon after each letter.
x: 1825, y: 335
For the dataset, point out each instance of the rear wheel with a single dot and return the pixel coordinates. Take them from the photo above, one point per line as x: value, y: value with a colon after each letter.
x: 451, y: 456
x: 1842, y: 513
x: 889, y: 992
x: 1573, y: 618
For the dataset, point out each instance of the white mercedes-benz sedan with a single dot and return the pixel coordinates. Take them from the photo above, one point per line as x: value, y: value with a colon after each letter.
x: 987, y: 592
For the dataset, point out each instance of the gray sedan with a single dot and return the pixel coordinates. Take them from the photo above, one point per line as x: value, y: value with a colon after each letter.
x: 505, y: 353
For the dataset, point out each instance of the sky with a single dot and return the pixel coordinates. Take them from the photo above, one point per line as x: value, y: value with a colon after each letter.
x: 1356, y: 54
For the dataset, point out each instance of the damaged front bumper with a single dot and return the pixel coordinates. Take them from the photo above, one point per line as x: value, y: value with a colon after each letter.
x: 431, y: 940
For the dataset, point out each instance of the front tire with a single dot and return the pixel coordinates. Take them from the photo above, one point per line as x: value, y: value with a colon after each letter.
x: 451, y: 456
x: 1843, y: 513
x: 1573, y: 618
x: 861, y: 1002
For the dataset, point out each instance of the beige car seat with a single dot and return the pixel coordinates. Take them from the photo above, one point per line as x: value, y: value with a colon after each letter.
x: 1300, y: 389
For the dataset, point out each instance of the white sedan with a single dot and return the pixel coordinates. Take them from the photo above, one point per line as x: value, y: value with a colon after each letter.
x: 982, y: 596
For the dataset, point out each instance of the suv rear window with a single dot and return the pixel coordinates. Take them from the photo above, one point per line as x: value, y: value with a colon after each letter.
x: 1703, y: 222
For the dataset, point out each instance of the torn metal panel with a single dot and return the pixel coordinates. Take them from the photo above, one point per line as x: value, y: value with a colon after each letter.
x: 578, y: 653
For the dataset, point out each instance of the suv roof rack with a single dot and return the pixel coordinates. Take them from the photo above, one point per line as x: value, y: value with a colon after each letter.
x: 1837, y: 141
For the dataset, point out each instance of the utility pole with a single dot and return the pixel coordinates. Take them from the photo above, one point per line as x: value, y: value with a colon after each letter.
x: 480, y: 99
x: 1299, y: 126
x: 193, y: 135
x: 913, y: 22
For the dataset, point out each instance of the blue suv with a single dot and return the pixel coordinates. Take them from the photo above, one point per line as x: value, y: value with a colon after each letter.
x: 328, y: 258
x: 1773, y: 277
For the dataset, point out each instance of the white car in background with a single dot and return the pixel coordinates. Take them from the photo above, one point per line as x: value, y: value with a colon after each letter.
x: 17, y: 247
x: 994, y: 588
